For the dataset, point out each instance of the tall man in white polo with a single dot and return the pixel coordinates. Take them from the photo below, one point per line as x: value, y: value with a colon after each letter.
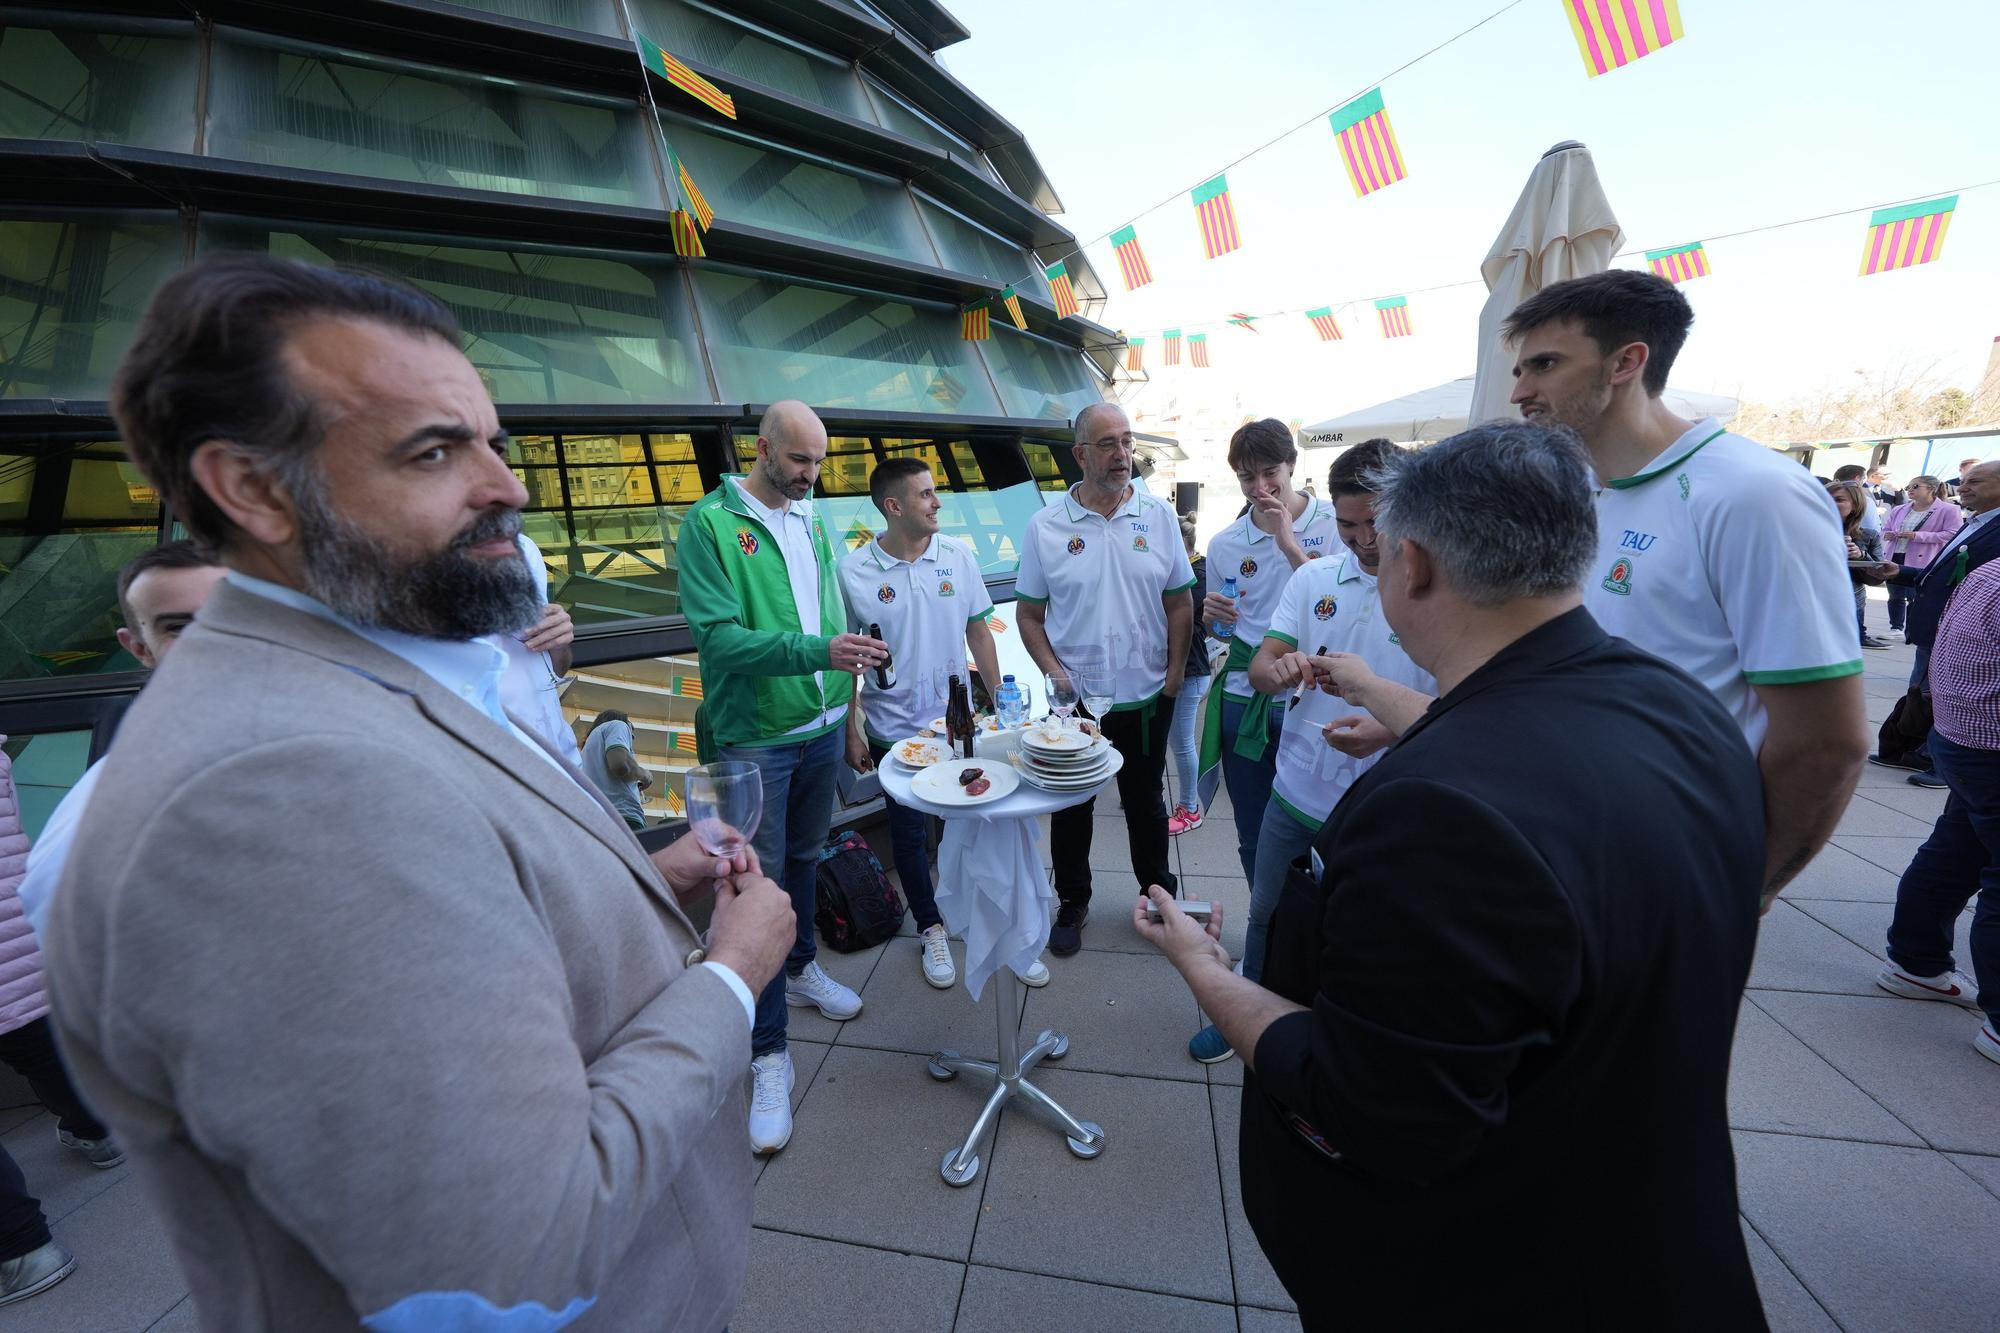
x: 1100, y: 590
x: 924, y: 590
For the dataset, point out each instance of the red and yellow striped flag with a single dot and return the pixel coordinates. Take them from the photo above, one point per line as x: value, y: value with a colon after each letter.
x: 684, y: 743
x: 1132, y: 264
x: 975, y: 322
x: 1394, y: 312
x: 1172, y: 338
x: 1217, y: 217
x: 1245, y: 322
x: 675, y: 803
x: 1611, y: 34
x: 1012, y: 301
x: 688, y: 687
x: 1906, y: 235
x: 1061, y: 290
x: 1135, y: 354
x: 1198, y: 350
x: 1679, y: 263
x: 685, y: 79
x: 695, y: 199
x: 687, y: 236
x: 1323, y: 324
x: 1367, y: 145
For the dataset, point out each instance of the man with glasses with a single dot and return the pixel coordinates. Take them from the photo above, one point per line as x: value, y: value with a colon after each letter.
x: 1100, y: 595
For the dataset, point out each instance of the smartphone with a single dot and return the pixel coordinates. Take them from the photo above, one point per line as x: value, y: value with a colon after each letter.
x: 1200, y: 911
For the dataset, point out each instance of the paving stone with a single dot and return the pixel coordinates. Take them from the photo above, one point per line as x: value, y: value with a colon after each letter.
x: 1913, y: 1056
x: 1250, y: 1319
x: 1124, y: 1014
x: 180, y: 1319
x: 1777, y: 1083
x: 1892, y: 854
x: 843, y: 1287
x: 1234, y: 894
x: 1923, y: 804
x: 1211, y: 849
x: 1795, y: 952
x: 997, y: 1300
x: 862, y: 1165
x: 62, y: 1180
x: 1788, y: 1306
x: 1838, y: 873
x: 906, y: 1013
x: 1227, y: 1074
x: 1256, y: 1283
x: 1866, y: 817
x: 807, y: 1056
x: 1985, y: 1169
x: 125, y: 1277
x: 1882, y: 777
x: 849, y: 969
x: 1884, y: 1237
x: 1147, y: 1213
x: 16, y: 1116
x: 1867, y: 924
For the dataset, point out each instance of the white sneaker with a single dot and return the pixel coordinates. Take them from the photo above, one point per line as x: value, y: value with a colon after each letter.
x: 935, y: 953
x: 1038, y: 975
x: 1951, y: 987
x: 814, y: 987
x: 771, y: 1101
x: 1987, y: 1043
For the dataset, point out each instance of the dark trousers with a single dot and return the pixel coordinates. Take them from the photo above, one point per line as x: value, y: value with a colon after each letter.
x: 1908, y: 725
x: 1961, y: 858
x: 22, y: 1226
x: 910, y: 844
x: 1899, y: 597
x: 30, y: 1050
x: 1140, y: 737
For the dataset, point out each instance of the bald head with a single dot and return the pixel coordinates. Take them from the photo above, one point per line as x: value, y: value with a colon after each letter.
x: 1101, y: 419
x: 791, y: 444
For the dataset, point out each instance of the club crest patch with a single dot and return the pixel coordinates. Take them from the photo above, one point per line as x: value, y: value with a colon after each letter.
x: 1247, y: 568
x: 1139, y: 544
x: 1076, y: 546
x: 1325, y: 607
x: 1619, y: 580
x: 746, y: 541
x: 946, y: 590
x: 885, y: 594
x: 1313, y: 555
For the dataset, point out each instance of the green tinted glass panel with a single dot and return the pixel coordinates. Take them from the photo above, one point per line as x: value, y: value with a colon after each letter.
x: 45, y: 768
x: 105, y: 491
x: 540, y: 327
x: 611, y: 564
x: 774, y: 340
x: 597, y: 16
x: 749, y: 182
x: 97, y: 87
x: 1042, y: 462
x: 849, y: 461
x: 898, y: 116
x: 968, y: 465
x: 70, y: 295
x: 966, y: 248
x: 544, y: 486
x: 318, y: 110
x: 990, y: 522
x: 701, y: 35
x: 1039, y: 378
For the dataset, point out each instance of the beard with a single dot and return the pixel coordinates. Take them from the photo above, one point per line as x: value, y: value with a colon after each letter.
x: 445, y: 594
x: 791, y: 490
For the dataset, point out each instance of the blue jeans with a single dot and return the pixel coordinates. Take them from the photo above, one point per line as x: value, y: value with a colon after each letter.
x: 1184, y: 739
x: 799, y: 783
x: 1961, y: 858
x: 1281, y: 841
x: 1248, y: 781
x: 910, y: 843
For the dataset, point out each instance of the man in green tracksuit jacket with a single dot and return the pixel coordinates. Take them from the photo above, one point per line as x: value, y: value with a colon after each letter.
x: 761, y: 593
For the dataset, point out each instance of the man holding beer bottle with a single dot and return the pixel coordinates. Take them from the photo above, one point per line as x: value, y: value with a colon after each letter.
x: 921, y: 594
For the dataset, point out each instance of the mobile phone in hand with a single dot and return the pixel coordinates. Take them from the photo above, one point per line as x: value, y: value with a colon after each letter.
x: 1200, y: 911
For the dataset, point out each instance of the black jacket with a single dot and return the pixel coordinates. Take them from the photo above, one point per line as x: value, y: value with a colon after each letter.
x: 1936, y: 581
x: 1522, y: 970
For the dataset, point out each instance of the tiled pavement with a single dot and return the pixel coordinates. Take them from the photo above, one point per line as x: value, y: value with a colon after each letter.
x: 1867, y: 1145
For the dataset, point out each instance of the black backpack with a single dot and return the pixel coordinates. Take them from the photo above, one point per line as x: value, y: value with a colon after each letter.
x: 858, y: 906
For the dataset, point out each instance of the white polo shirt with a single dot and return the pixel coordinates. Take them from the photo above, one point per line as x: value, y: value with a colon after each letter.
x: 1103, y: 580
x: 1245, y: 552
x: 528, y: 689
x: 923, y: 607
x: 792, y: 527
x: 1725, y: 558
x: 1335, y: 606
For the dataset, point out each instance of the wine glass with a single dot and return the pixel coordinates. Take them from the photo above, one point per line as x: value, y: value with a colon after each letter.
x: 1097, y: 695
x: 1062, y: 696
x: 725, y: 803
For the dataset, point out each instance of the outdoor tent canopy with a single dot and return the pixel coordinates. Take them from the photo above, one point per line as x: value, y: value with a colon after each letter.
x: 1434, y: 413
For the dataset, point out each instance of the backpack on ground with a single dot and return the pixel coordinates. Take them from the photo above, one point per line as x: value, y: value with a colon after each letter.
x: 858, y: 906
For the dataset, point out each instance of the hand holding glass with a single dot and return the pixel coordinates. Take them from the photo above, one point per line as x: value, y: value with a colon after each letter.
x: 725, y: 803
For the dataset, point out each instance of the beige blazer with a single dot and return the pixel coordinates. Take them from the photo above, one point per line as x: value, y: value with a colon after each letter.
x: 397, y: 1023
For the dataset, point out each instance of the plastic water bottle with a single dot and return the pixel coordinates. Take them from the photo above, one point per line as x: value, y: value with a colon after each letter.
x: 1223, y: 630
x: 1011, y: 704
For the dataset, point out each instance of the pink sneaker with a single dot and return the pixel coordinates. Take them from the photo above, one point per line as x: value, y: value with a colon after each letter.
x: 1181, y: 820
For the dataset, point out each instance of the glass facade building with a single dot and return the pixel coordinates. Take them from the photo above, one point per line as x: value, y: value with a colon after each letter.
x: 513, y: 158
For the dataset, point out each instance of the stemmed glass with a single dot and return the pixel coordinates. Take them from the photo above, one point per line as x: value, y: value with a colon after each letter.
x: 1062, y: 696
x: 1097, y: 695
x: 725, y: 804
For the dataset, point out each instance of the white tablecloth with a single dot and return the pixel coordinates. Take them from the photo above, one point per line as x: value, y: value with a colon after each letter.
x: 991, y: 887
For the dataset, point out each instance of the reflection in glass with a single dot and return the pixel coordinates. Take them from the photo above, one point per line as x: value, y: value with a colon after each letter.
x: 706, y: 37
x: 1040, y: 378
x: 59, y: 81
x: 71, y: 293
x: 967, y: 247
x: 584, y: 15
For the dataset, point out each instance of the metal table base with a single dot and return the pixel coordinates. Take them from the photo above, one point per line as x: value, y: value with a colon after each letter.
x: 1010, y: 1075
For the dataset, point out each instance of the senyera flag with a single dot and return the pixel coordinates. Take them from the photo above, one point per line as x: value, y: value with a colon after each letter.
x: 1217, y: 217
x: 1135, y: 354
x: 1132, y: 264
x: 1907, y: 234
x: 1367, y: 144
x: 1613, y: 33
x: 1679, y: 263
x: 1248, y: 323
x: 975, y: 322
x: 685, y: 79
x: 1198, y: 350
x: 686, y: 234
x: 1012, y: 300
x: 1394, y: 312
x: 1172, y: 338
x: 696, y: 201
x: 1323, y: 324
x: 1061, y: 290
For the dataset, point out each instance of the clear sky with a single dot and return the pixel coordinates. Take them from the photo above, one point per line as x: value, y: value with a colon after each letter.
x: 1767, y: 110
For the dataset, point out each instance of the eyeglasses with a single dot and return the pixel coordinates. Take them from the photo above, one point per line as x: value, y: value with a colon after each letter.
x: 1121, y: 445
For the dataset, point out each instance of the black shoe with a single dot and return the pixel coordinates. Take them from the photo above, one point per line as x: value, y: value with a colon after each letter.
x: 1914, y: 764
x: 1067, y: 936
x: 1927, y: 780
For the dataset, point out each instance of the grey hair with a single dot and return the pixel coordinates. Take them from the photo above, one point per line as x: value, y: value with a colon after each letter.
x: 1083, y: 419
x: 1505, y: 509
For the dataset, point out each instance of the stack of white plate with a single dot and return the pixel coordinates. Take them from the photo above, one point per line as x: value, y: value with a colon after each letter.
x: 1070, y: 761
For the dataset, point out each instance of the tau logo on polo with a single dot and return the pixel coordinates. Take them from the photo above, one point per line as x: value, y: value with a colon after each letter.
x: 747, y: 541
x: 885, y: 594
x: 1247, y: 568
x: 1325, y: 607
x: 1139, y: 544
x: 1076, y: 546
x: 1637, y: 541
x: 946, y: 590
x: 1619, y: 580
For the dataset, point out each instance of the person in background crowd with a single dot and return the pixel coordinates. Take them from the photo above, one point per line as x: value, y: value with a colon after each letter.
x: 31, y: 1260
x: 924, y: 590
x: 1961, y: 858
x: 1859, y: 543
x: 1881, y: 490
x: 1854, y: 472
x: 401, y: 1029
x: 1102, y: 591
x: 610, y: 765
x: 1331, y: 606
x: 1262, y: 550
x: 1184, y: 737
x: 1915, y: 530
x: 1496, y: 1023
x: 160, y: 590
x: 762, y: 596
x: 1965, y: 465
x: 537, y: 660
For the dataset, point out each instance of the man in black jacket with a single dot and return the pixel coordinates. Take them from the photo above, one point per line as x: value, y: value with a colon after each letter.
x: 1489, y: 1057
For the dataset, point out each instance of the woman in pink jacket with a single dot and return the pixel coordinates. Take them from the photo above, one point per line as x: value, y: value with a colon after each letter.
x: 30, y: 1259
x: 1914, y: 532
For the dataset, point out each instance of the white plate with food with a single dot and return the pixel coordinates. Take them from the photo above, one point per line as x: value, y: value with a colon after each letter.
x: 965, y: 782
x: 919, y: 752
x: 1057, y: 740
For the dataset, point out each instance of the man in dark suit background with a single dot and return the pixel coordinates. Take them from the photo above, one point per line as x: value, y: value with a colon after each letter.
x: 1489, y: 1057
